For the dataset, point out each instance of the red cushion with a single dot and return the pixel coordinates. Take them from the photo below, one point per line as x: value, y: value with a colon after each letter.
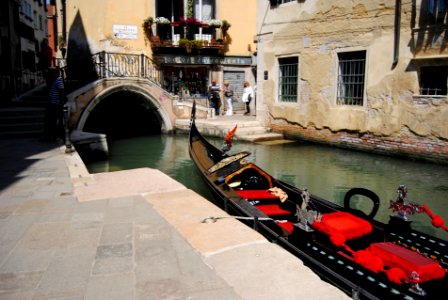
x: 256, y: 194
x: 396, y: 256
x: 273, y: 210
x: 288, y: 226
x: 345, y: 225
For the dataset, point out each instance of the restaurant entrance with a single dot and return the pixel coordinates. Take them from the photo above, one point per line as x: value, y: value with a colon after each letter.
x: 190, y: 80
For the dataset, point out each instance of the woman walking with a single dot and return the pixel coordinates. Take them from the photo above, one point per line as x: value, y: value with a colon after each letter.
x: 228, y: 94
x: 248, y: 95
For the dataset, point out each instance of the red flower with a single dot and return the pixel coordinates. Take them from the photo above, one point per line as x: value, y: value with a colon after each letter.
x: 191, y: 21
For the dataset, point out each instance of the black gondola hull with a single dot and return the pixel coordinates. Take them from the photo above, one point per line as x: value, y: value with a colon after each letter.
x: 221, y: 171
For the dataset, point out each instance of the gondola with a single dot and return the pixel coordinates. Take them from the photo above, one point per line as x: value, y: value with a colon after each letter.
x: 346, y: 247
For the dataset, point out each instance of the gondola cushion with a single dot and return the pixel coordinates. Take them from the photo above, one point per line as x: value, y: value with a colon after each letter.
x: 342, y: 226
x: 256, y: 194
x: 397, y: 256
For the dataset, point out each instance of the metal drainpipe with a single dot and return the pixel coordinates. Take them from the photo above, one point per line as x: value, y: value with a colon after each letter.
x: 397, y: 32
x: 64, y: 20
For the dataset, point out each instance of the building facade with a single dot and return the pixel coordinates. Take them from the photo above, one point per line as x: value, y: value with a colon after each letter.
x: 23, y: 46
x: 368, y: 75
x: 188, y: 40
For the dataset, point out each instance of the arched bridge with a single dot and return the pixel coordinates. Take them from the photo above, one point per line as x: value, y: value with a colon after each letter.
x: 126, y: 74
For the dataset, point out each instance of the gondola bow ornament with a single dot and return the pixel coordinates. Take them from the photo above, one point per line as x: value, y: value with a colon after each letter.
x: 403, y: 208
x: 229, y: 138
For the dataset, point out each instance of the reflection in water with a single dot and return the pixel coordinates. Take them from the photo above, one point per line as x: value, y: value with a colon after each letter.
x: 325, y: 171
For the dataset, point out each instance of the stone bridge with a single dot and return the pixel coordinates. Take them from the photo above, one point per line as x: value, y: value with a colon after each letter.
x: 116, y: 75
x: 83, y: 101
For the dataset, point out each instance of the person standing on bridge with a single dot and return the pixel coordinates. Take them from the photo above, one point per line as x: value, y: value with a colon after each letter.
x: 54, y: 113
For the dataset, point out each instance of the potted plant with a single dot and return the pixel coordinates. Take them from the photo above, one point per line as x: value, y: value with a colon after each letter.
x: 162, y: 21
x: 198, y: 44
x: 192, y: 22
x: 225, y: 25
x: 187, y: 44
x: 147, y: 26
x: 214, y: 23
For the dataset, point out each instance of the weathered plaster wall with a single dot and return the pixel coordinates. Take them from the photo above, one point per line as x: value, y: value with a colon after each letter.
x: 316, y: 31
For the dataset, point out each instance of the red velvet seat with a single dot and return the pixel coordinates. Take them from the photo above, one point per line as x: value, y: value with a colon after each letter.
x: 273, y: 210
x: 342, y: 226
x: 396, y: 256
x: 256, y: 194
x: 288, y: 226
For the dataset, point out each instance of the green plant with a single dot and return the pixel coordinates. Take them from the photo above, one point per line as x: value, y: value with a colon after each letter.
x: 198, y: 44
x: 225, y: 24
x: 184, y: 42
x: 189, y: 8
x: 148, y: 20
x: 147, y: 26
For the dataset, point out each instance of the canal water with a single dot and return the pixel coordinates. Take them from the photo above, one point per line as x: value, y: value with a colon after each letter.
x: 326, y: 171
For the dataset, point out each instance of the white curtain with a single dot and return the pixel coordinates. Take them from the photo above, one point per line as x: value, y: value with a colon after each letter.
x: 203, y: 9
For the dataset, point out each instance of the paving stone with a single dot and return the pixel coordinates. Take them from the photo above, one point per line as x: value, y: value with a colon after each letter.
x: 111, y: 287
x: 32, y: 206
x: 25, y: 260
x: 118, y: 214
x: 20, y: 281
x: 117, y: 250
x: 117, y: 233
x: 68, y: 273
x: 113, y: 265
x: 44, y: 236
x: 14, y: 227
x: 165, y: 288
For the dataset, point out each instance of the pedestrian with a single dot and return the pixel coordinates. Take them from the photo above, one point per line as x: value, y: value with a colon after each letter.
x: 213, y: 96
x: 228, y: 95
x: 54, y: 113
x: 248, y: 95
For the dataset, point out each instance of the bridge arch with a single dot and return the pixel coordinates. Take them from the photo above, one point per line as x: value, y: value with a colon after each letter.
x: 88, y: 98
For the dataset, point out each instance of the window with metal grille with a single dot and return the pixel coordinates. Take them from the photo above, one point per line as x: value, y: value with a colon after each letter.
x: 351, y: 76
x: 288, y: 72
x: 433, y: 80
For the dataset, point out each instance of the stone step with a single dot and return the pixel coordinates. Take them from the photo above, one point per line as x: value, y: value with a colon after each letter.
x: 21, y: 121
x: 250, y: 130
x: 21, y: 134
x: 27, y: 128
x: 269, y: 136
x: 18, y: 111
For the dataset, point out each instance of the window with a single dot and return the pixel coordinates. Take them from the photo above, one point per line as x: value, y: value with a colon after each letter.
x: 279, y: 2
x: 437, y: 9
x: 433, y: 80
x: 288, y: 72
x: 351, y: 76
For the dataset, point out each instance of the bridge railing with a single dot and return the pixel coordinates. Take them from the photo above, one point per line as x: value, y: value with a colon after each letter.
x: 109, y: 65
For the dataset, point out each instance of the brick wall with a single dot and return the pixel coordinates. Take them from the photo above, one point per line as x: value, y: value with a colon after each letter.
x: 403, y: 145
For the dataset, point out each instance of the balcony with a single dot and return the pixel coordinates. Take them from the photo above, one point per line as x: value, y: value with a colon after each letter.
x: 187, y: 37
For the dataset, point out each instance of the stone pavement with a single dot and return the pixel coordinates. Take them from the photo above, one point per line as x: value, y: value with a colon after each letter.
x: 135, y: 234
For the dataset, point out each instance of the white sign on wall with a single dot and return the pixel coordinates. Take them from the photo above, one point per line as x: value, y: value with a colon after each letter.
x: 125, y: 31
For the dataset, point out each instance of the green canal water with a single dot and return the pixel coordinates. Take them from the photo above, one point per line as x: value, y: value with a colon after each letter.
x: 327, y: 172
